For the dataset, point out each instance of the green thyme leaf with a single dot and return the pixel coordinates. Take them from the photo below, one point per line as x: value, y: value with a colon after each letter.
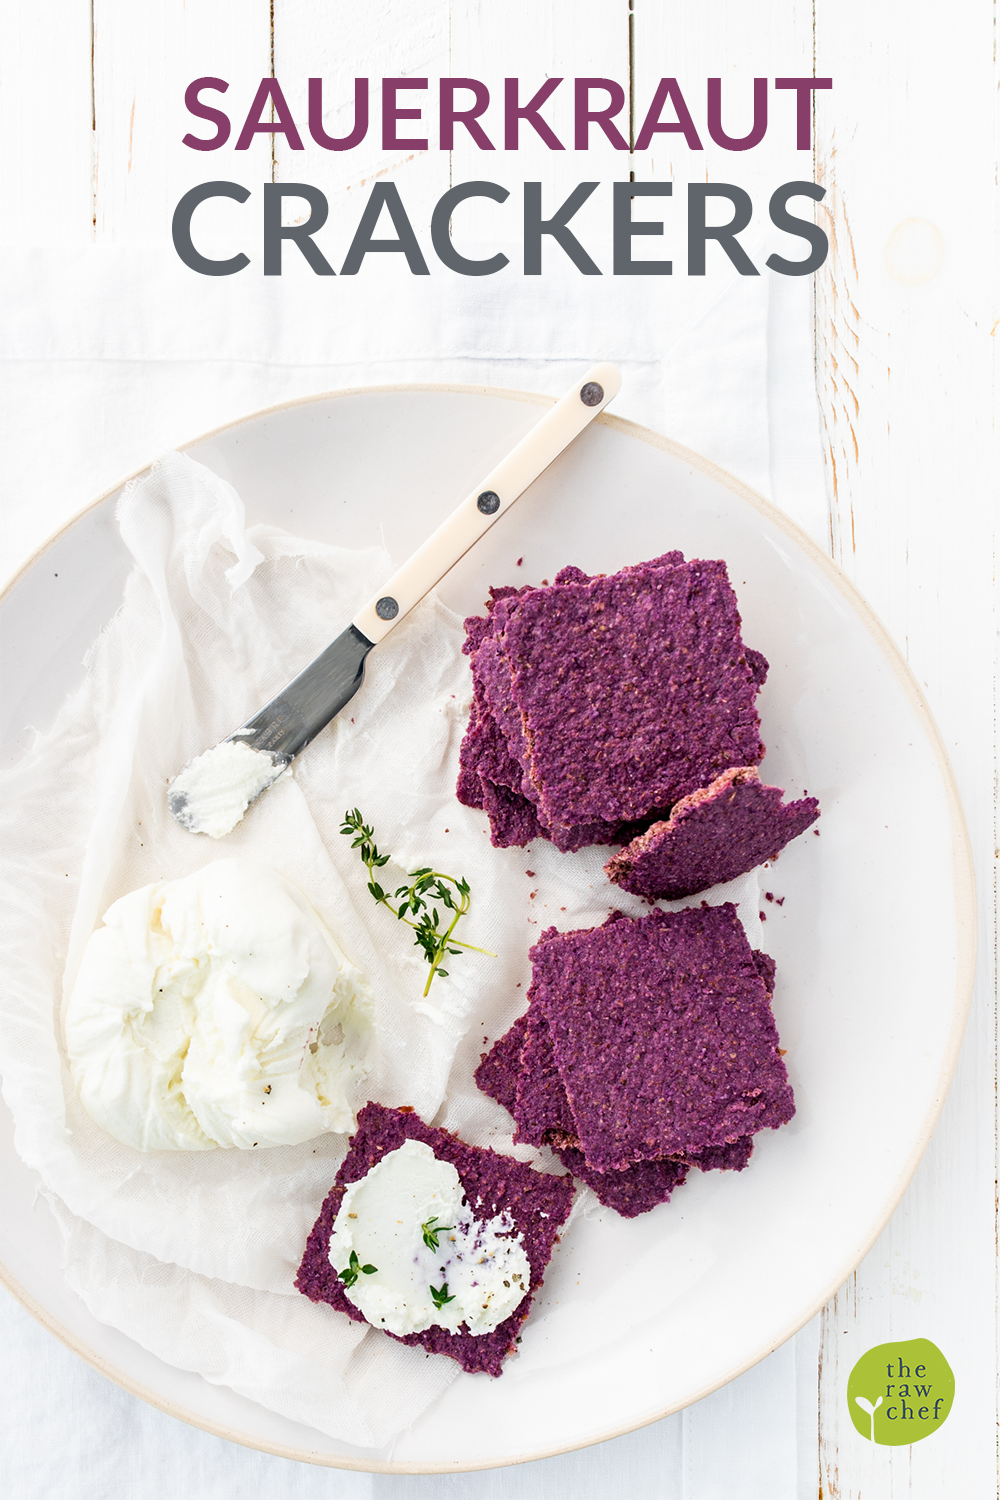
x: 439, y: 1295
x: 433, y: 941
x: 353, y: 1269
x: 349, y: 1274
x: 431, y: 1230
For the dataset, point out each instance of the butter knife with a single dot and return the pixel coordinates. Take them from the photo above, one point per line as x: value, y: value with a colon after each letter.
x: 212, y: 792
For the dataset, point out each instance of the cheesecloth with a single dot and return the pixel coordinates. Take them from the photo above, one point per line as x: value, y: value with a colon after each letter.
x: 194, y: 1254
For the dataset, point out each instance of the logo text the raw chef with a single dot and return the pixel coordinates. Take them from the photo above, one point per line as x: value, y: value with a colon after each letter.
x: 900, y: 1386
x: 901, y: 1392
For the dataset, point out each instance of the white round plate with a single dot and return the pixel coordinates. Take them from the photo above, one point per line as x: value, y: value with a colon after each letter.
x: 874, y: 941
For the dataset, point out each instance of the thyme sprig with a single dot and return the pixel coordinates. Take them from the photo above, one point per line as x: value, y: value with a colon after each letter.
x: 432, y: 1229
x: 354, y: 1269
x: 426, y: 886
x: 439, y: 1295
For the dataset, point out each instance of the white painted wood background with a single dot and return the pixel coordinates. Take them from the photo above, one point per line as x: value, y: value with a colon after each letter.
x: 905, y: 324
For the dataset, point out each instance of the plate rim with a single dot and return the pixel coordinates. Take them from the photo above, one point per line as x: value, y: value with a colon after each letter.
x: 963, y: 876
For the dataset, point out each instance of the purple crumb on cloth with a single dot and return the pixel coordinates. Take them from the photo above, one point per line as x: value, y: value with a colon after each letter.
x: 712, y: 835
x: 537, y: 1202
x: 663, y: 1034
x: 615, y: 696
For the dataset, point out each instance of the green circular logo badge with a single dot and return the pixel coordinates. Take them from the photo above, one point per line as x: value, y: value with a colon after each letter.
x: 900, y: 1393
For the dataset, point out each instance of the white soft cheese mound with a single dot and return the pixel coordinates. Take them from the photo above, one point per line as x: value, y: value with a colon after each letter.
x: 480, y: 1266
x: 217, y: 1010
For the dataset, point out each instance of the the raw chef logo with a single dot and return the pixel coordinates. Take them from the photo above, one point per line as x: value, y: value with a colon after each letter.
x: 900, y: 1393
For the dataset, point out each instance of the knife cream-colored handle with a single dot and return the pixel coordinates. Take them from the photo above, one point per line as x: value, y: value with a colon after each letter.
x: 488, y: 501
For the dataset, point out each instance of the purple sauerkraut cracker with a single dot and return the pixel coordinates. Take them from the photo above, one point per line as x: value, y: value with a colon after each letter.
x: 511, y: 1067
x: 499, y: 1068
x: 542, y: 1109
x: 513, y: 820
x: 506, y: 767
x: 524, y: 1079
x: 614, y: 696
x: 633, y: 1191
x: 538, y: 1204
x: 712, y: 835
x: 731, y: 1157
x: 544, y: 1117
x: 490, y: 777
x: 633, y: 690
x: 663, y: 1035
x: 469, y: 789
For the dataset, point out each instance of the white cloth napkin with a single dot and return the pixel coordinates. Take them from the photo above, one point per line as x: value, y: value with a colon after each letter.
x: 124, y: 353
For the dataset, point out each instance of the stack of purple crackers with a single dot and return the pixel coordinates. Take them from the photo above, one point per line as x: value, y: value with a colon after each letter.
x: 537, y: 1203
x: 600, y: 703
x: 648, y: 1047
